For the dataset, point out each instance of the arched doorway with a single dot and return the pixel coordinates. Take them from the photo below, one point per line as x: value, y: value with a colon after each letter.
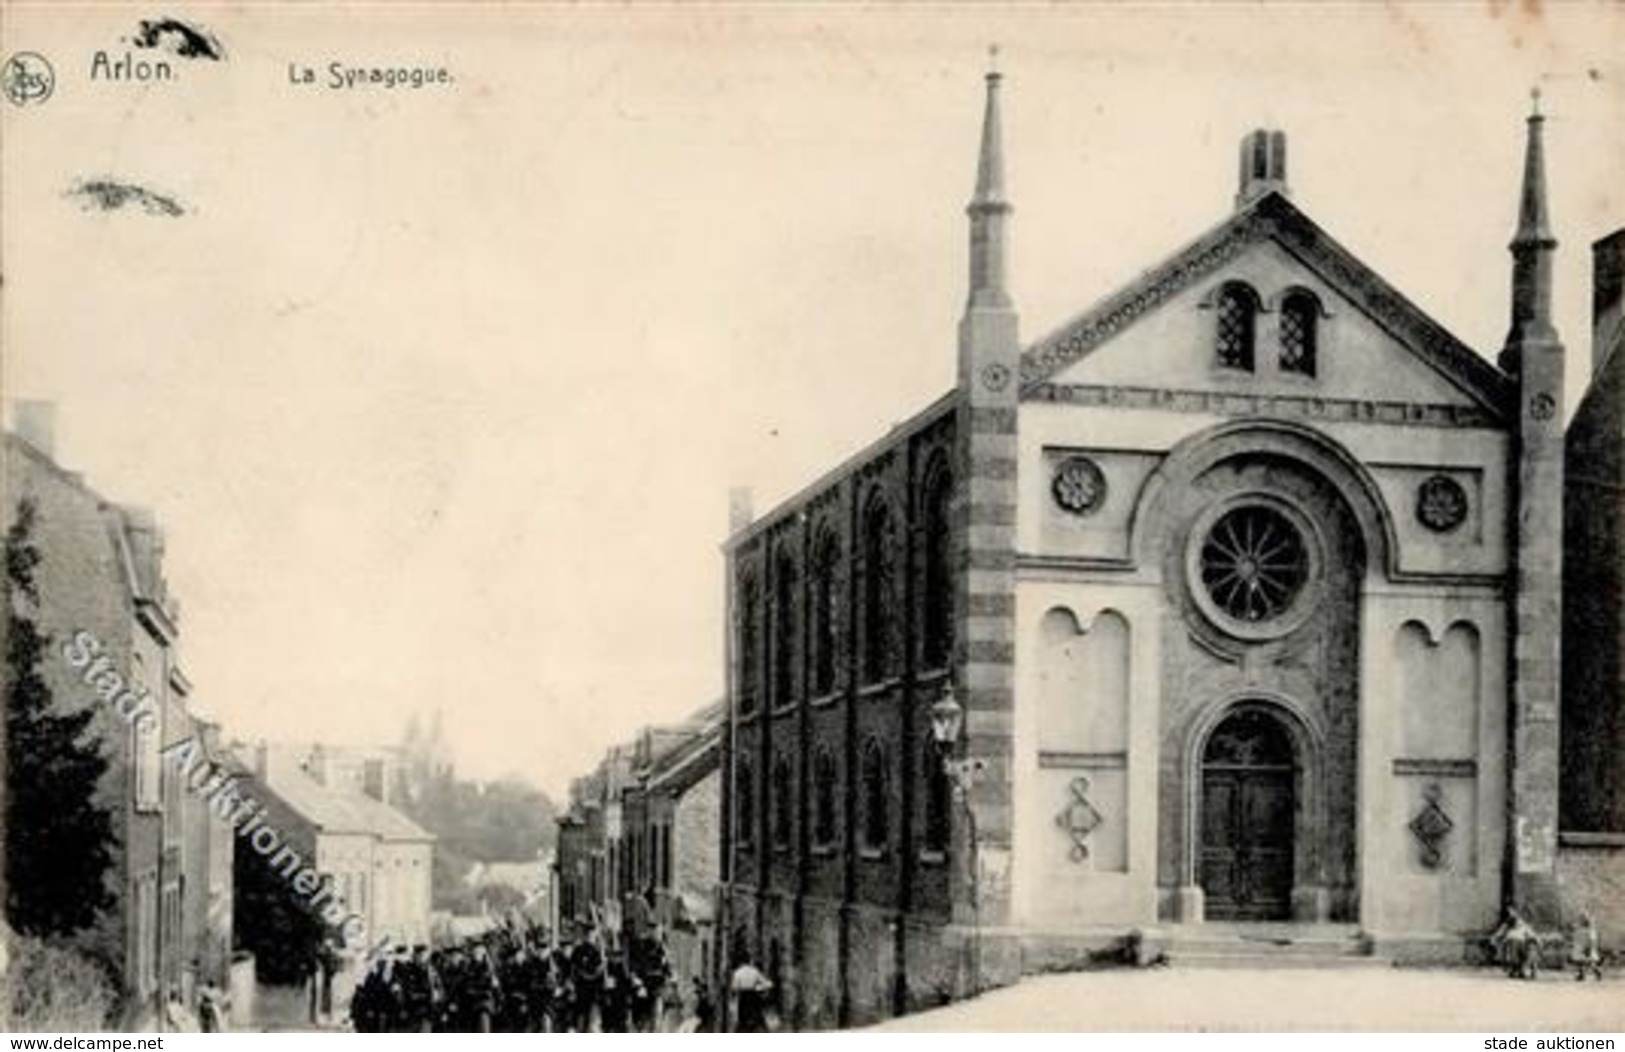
x: 1248, y: 815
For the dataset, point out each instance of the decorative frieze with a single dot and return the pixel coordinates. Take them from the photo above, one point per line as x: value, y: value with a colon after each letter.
x: 1278, y: 220
x: 1119, y: 311
x: 1238, y: 403
x: 1427, y: 768
x: 1051, y: 758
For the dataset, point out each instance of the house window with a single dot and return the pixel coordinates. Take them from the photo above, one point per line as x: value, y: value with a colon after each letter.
x: 876, y: 802
x: 879, y: 593
x: 1299, y: 314
x: 1237, y: 323
x: 937, y: 616
x: 148, y: 762
x: 784, y: 645
x: 824, y: 794
x: 745, y: 806
x: 825, y: 601
x: 749, y: 610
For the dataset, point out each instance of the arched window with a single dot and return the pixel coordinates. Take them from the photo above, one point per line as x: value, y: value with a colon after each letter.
x: 783, y: 799
x: 876, y: 802
x: 879, y: 593
x: 1300, y: 313
x: 825, y: 601
x: 1236, y: 326
x: 750, y: 604
x: 938, y: 799
x: 785, y: 585
x: 745, y: 804
x: 825, y: 790
x: 936, y: 620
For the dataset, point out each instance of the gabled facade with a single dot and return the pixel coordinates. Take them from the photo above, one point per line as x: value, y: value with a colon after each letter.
x: 103, y: 596
x: 1248, y: 584
x: 379, y: 861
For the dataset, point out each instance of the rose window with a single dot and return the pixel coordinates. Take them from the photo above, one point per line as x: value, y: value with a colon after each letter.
x: 1253, y: 564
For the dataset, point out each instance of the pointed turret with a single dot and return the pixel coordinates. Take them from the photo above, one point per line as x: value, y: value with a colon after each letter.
x: 984, y: 538
x: 1533, y: 355
x: 988, y: 208
x: 1532, y: 248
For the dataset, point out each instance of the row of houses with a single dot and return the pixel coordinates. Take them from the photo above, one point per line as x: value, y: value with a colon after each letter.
x: 638, y: 844
x: 172, y: 922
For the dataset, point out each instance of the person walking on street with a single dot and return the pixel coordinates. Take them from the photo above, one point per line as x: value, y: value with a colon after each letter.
x: 750, y: 989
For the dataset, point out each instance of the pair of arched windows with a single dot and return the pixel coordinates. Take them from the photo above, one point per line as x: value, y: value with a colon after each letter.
x: 875, y: 795
x: 1235, y: 339
x: 874, y: 801
x: 882, y: 613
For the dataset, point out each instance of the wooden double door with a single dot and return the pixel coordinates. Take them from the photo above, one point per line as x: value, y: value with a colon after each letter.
x: 1248, y: 812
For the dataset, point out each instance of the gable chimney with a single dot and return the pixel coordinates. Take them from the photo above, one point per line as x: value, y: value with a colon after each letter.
x: 1607, y: 296
x: 1263, y: 166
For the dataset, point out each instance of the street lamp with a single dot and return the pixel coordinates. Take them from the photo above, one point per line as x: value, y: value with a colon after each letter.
x: 947, y: 718
x: 947, y: 723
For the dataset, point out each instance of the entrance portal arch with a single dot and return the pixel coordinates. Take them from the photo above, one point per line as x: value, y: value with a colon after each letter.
x: 1246, y: 826
x: 1255, y: 834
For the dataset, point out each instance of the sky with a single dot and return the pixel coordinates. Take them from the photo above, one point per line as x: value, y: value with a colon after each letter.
x: 439, y: 393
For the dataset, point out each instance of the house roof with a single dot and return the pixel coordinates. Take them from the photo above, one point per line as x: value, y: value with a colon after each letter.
x: 692, y: 759
x: 340, y: 811
x: 894, y: 436
x: 1272, y: 218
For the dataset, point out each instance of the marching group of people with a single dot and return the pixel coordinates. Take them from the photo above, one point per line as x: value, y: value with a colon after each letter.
x: 516, y: 981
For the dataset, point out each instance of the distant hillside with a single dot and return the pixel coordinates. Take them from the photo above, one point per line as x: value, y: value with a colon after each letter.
x: 508, y: 820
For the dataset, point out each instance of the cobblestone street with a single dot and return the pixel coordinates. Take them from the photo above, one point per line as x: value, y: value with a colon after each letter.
x: 1283, y: 999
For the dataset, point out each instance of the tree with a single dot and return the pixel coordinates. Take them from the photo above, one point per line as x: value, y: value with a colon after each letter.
x: 57, y: 840
x: 281, y: 929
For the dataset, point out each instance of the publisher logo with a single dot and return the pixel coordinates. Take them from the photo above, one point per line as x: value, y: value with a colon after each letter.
x: 27, y: 79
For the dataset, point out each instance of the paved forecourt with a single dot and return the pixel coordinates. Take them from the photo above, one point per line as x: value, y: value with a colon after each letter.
x: 1277, y: 999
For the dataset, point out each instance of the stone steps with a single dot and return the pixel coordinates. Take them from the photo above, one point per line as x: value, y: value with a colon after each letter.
x: 1271, y: 946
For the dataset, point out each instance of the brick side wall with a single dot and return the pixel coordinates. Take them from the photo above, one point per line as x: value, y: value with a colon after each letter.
x: 1592, y: 879
x: 831, y: 908
x: 1593, y: 723
x: 697, y: 819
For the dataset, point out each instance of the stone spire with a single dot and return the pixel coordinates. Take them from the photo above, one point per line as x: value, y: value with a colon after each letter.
x: 1532, y: 248
x: 1533, y: 356
x: 988, y: 209
x: 985, y: 545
